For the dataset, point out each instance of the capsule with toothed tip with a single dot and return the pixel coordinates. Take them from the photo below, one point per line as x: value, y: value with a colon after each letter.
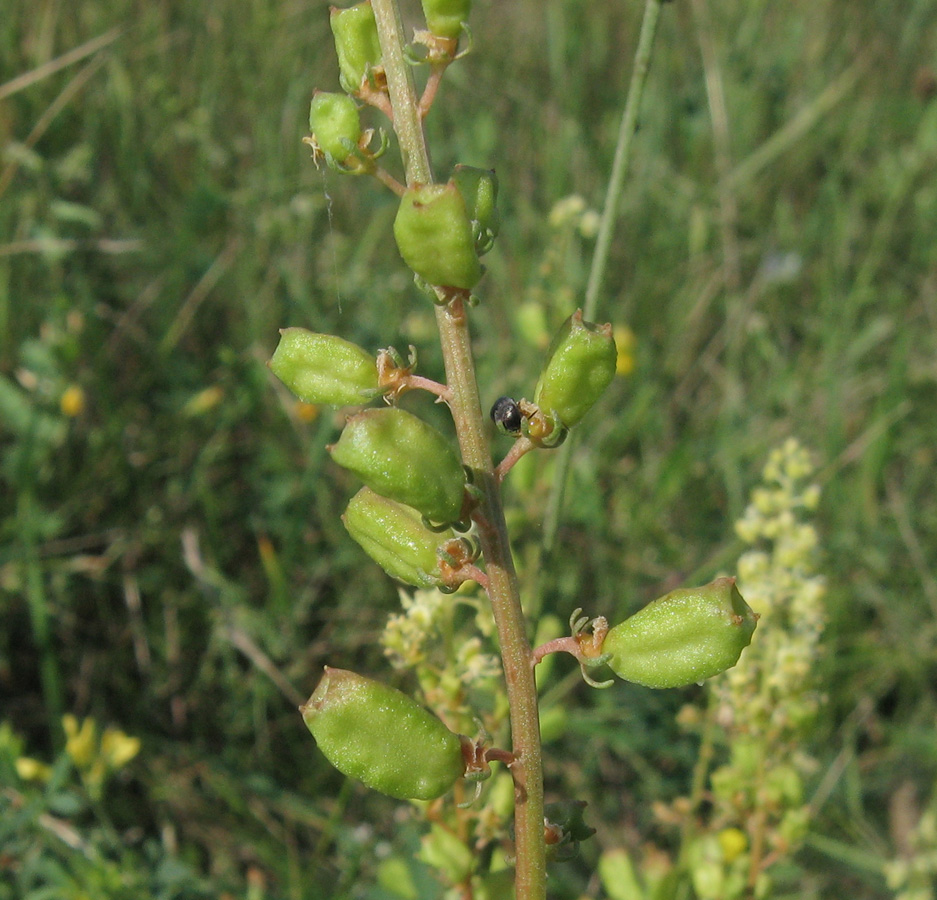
x: 434, y: 236
x: 445, y: 18
x: 356, y: 43
x: 335, y: 124
x: 580, y: 366
x: 683, y: 637
x: 394, y: 536
x: 382, y: 737
x: 323, y: 368
x: 400, y: 457
x: 479, y: 190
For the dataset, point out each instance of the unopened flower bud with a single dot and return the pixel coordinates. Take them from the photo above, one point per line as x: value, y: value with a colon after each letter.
x: 335, y: 123
x: 444, y: 18
x: 434, y: 236
x: 683, y: 637
x: 382, y: 737
x: 394, y: 536
x: 580, y: 366
x: 356, y: 43
x: 399, y: 456
x: 479, y: 190
x: 323, y: 368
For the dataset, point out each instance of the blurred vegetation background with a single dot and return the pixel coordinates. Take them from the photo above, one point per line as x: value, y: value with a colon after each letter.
x: 172, y: 563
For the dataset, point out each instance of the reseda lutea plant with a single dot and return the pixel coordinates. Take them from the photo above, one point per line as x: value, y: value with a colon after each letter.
x: 430, y: 513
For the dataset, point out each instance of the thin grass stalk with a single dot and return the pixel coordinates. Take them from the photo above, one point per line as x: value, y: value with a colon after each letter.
x: 616, y: 182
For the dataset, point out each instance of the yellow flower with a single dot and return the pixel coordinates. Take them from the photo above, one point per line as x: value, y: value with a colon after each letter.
x: 733, y: 843
x: 624, y: 343
x: 118, y: 748
x: 72, y: 401
x: 30, y: 769
x: 306, y: 412
x: 80, y: 741
x: 203, y: 402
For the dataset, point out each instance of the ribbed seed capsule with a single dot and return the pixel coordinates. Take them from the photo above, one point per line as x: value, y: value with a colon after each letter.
x: 356, y: 43
x: 323, y: 368
x: 580, y: 366
x: 434, y: 236
x: 479, y: 190
x: 382, y: 737
x: 394, y: 536
x: 444, y: 18
x: 335, y: 123
x: 399, y: 456
x: 683, y: 637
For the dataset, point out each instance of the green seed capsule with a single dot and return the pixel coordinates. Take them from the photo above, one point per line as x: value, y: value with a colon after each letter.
x: 335, y: 124
x: 356, y: 42
x: 580, y: 366
x: 683, y: 637
x: 394, y: 536
x: 401, y: 457
x: 479, y: 190
x: 380, y: 736
x: 434, y: 236
x: 323, y: 368
x: 444, y: 18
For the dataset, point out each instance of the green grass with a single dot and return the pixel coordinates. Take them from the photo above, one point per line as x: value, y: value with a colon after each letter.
x: 160, y: 220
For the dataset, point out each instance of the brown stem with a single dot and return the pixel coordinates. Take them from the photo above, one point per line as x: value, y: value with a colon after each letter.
x: 388, y: 180
x: 496, y: 754
x: 427, y: 384
x: 432, y: 86
x: 530, y: 871
x: 559, y: 645
x: 521, y: 447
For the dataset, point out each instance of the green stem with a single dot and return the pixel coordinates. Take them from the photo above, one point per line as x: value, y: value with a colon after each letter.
x: 49, y: 675
x: 469, y: 419
x: 603, y: 243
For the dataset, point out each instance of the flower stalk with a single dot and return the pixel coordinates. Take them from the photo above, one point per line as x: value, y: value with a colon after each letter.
x: 470, y: 426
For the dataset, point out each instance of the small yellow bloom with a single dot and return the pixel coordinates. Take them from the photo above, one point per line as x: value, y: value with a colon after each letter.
x: 72, y: 401
x: 624, y: 343
x: 118, y: 748
x: 203, y: 402
x: 306, y: 412
x: 733, y: 843
x: 80, y: 740
x: 30, y: 769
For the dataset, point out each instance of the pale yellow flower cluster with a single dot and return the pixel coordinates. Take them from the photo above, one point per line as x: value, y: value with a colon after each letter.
x: 766, y: 703
x: 406, y: 634
x: 770, y: 688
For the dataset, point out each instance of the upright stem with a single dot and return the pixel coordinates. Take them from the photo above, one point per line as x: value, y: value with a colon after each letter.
x: 530, y: 883
x: 603, y: 243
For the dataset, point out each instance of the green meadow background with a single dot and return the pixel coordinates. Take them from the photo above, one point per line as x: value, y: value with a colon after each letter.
x: 172, y: 563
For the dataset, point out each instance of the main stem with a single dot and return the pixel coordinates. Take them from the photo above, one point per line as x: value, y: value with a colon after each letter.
x: 530, y: 867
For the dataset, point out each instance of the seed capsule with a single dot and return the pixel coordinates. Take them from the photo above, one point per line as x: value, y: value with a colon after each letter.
x: 434, y: 236
x: 394, y: 536
x: 580, y: 366
x: 444, y: 18
x: 335, y: 124
x: 479, y: 190
x: 399, y: 456
x: 356, y: 43
x: 323, y: 368
x: 683, y: 637
x: 382, y: 737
